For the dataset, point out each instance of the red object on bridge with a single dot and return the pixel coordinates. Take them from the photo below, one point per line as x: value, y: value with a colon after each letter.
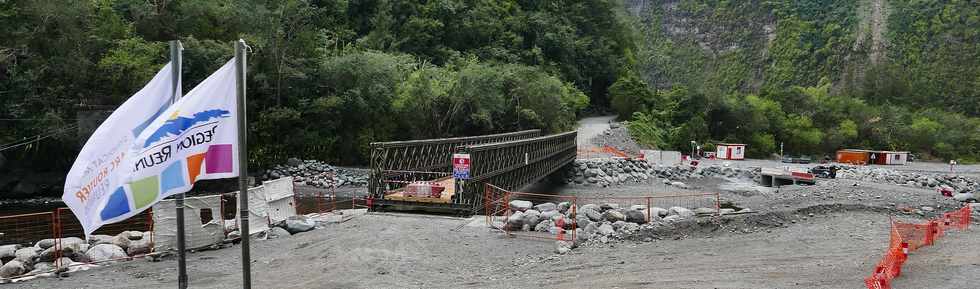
x: 424, y: 189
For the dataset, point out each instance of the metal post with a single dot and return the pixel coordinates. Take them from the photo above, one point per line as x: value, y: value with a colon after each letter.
x: 242, y: 163
x: 179, y: 198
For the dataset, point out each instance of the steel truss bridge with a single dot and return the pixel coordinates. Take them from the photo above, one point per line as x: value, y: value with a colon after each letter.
x: 508, y: 160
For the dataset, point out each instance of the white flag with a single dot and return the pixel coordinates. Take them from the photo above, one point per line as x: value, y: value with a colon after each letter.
x: 195, y: 139
x: 97, y: 171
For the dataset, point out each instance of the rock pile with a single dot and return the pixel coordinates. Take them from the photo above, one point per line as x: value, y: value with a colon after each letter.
x: 43, y: 256
x: 593, y: 223
x: 318, y: 174
x: 956, y: 184
x: 606, y: 172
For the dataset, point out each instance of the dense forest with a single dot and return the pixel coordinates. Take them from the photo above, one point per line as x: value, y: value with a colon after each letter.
x: 814, y: 75
x: 327, y: 77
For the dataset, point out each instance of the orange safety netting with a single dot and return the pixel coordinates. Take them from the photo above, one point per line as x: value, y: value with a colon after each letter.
x: 906, y: 237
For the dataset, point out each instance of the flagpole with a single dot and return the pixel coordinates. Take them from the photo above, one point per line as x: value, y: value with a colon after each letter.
x: 175, y: 65
x: 242, y: 163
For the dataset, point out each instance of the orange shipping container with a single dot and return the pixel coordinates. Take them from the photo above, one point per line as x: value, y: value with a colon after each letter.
x: 852, y: 157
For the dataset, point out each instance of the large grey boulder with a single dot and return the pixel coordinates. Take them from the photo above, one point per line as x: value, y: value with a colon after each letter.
x: 298, y: 224
x: 62, y: 262
x: 564, y: 206
x: 9, y: 251
x: 532, y: 217
x: 42, y: 267
x: 548, y: 215
x: 519, y: 205
x: 137, y: 247
x: 681, y: 211
x: 613, y: 216
x: 105, y: 252
x: 276, y: 232
x: 122, y: 240
x: 592, y: 214
x: 70, y: 247
x: 26, y: 255
x: 658, y: 211
x: 544, y: 207
x: 606, y: 229
x: 634, y: 216
x: 12, y: 269
x: 516, y: 219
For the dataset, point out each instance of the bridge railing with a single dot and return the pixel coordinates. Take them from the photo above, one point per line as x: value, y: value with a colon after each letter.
x: 428, y: 155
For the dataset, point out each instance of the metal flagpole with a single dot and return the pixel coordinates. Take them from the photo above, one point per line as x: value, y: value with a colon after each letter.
x: 179, y: 198
x: 242, y: 163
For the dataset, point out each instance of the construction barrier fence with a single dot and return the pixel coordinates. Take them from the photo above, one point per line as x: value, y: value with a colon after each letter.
x: 496, y: 205
x: 908, y: 237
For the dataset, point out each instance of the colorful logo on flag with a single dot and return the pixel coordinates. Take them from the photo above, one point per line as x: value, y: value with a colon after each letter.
x: 217, y: 159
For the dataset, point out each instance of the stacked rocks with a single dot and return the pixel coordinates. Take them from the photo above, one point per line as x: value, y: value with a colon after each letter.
x: 593, y: 223
x: 43, y: 256
x: 318, y: 174
x: 955, y: 183
x: 606, y: 172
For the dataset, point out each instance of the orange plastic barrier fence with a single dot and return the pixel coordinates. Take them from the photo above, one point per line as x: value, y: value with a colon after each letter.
x: 906, y: 238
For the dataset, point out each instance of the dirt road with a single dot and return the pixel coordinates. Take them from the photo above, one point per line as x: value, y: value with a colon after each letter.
x: 591, y: 127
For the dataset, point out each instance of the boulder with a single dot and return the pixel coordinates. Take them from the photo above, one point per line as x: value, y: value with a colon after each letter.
x: 592, y: 214
x: 26, y: 255
x: 298, y: 224
x: 618, y: 225
x: 42, y: 267
x: 133, y: 235
x: 679, y: 185
x: 532, y: 217
x: 105, y: 252
x: 12, y: 269
x: 613, y: 216
x: 975, y: 207
x: 657, y: 211
x: 680, y: 211
x: 516, y: 219
x: 582, y: 221
x: 137, y: 247
x: 276, y: 232
x: 519, y: 205
x: 726, y: 211
x: 589, y: 206
x: 121, y: 240
x: 635, y: 216
x: 69, y: 248
x: 606, y: 229
x: 548, y: 215
x: 8, y: 251
x: 99, y: 239
x: 672, y: 218
x: 44, y: 244
x: 544, y: 207
x: 638, y: 208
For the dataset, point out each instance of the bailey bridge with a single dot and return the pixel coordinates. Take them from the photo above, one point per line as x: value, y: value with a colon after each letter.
x: 508, y: 160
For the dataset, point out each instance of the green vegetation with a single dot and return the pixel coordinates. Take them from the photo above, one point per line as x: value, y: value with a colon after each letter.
x: 799, y: 73
x: 326, y: 77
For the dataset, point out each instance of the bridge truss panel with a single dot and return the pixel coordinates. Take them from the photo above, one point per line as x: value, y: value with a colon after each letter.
x: 395, y: 160
x: 514, y: 164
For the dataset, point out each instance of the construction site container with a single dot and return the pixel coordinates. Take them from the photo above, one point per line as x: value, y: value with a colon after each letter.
x: 857, y: 157
x: 729, y: 151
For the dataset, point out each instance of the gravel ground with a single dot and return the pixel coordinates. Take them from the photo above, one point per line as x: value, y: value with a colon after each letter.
x: 825, y: 236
